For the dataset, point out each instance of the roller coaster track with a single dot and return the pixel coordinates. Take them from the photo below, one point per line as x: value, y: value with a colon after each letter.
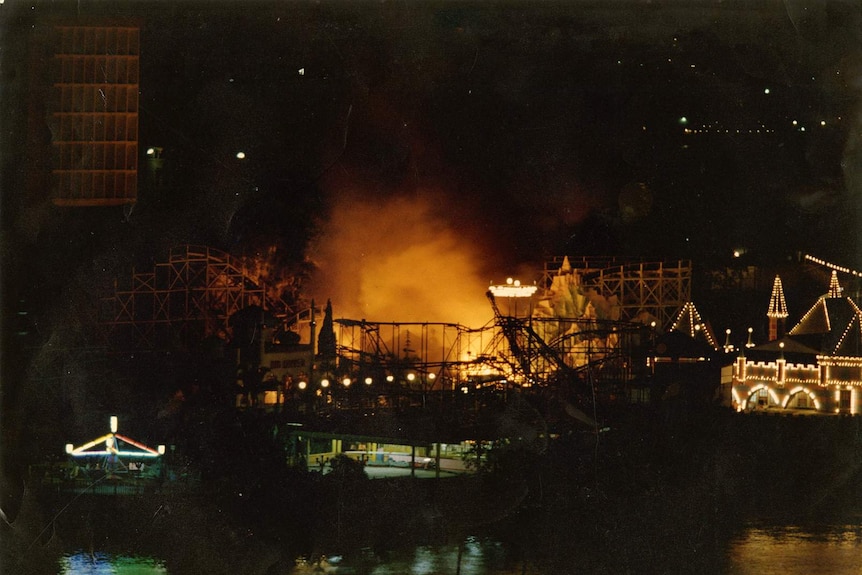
x: 185, y: 299
x: 536, y: 360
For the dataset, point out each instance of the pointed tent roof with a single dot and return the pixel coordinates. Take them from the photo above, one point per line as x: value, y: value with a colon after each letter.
x: 833, y: 324
x: 689, y: 322
x: 777, y: 304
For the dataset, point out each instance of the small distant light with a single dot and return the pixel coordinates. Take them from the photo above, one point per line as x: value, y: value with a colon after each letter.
x: 324, y: 382
x: 411, y: 376
x: 794, y: 122
x: 822, y: 122
x: 390, y: 378
x: 368, y: 381
x: 509, y: 281
x: 301, y: 385
x: 346, y: 382
x: 151, y: 151
x: 683, y: 120
x: 766, y: 90
x: 736, y: 253
x: 432, y: 376
x: 802, y: 128
x: 301, y: 71
x: 240, y: 155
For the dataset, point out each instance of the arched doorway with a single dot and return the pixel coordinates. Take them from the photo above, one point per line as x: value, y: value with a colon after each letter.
x: 801, y: 399
x: 761, y: 397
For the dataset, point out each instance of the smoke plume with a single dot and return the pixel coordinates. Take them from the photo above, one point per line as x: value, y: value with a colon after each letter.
x: 399, y: 260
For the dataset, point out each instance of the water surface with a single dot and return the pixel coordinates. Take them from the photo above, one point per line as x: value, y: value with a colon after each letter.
x: 791, y: 550
x: 86, y: 563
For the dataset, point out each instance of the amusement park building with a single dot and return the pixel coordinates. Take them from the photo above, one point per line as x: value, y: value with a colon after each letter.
x: 815, y: 367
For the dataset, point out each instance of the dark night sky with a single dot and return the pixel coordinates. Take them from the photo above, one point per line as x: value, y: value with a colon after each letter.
x: 533, y: 129
x: 541, y: 120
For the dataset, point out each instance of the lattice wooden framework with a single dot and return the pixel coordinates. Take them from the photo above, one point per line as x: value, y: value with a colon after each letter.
x: 543, y: 350
x: 451, y: 352
x: 509, y: 348
x: 185, y: 299
x: 659, y: 289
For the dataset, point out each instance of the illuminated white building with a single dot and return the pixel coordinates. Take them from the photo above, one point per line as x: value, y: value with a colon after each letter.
x: 817, y: 366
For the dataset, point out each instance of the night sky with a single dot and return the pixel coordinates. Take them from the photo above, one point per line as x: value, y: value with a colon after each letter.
x: 541, y: 131
x: 402, y: 133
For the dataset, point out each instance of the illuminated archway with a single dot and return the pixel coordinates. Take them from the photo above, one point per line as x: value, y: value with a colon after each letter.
x: 801, y: 398
x: 763, y: 397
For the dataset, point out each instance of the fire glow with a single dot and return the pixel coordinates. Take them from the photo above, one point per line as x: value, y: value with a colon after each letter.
x: 398, y: 260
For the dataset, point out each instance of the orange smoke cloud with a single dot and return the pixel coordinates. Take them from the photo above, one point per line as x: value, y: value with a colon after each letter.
x: 398, y: 260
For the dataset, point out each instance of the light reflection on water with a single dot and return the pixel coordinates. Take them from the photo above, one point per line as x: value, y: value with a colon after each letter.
x: 477, y: 558
x: 84, y: 563
x: 757, y: 551
x: 797, y: 550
